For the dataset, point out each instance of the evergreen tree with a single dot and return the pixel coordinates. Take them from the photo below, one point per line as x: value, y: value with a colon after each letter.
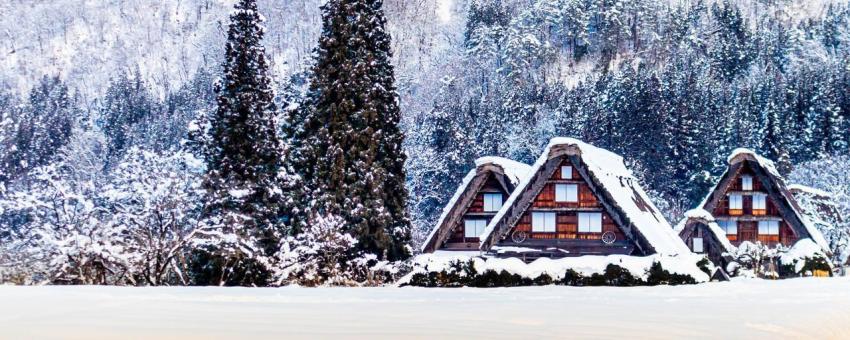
x: 350, y: 146
x: 127, y: 103
x: 245, y: 183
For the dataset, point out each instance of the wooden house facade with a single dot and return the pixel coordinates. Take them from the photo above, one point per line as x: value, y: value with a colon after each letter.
x: 579, y: 200
x: 702, y: 235
x: 752, y: 203
x: 479, y: 197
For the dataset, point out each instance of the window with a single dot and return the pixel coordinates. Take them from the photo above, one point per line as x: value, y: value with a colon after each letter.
x: 589, y: 222
x: 730, y: 227
x: 759, y: 204
x: 566, y: 193
x: 768, y: 231
x: 566, y: 172
x: 768, y: 227
x: 492, y: 202
x: 698, y: 245
x: 473, y: 228
x: 543, y: 222
x: 736, y: 204
x: 747, y: 183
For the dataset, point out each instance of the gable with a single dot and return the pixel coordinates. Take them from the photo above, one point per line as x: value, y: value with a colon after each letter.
x: 491, y: 175
x: 613, y: 186
x: 765, y: 179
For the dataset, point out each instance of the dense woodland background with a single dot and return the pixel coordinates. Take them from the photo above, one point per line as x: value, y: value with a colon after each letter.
x: 99, y: 100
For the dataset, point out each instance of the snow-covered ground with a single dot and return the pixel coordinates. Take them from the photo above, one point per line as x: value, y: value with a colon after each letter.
x: 800, y: 308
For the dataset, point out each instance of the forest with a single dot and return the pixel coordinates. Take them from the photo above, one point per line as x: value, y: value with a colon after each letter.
x: 316, y: 142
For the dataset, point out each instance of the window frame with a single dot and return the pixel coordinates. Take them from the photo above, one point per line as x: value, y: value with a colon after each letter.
x: 569, y: 172
x: 768, y: 226
x: 747, y: 183
x: 698, y: 241
x: 724, y: 225
x: 733, y: 209
x: 590, y: 223
x: 476, y: 222
x: 491, y: 195
x: 544, y: 217
x: 567, y: 198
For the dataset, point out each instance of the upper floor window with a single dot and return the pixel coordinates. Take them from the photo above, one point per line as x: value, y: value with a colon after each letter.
x: 492, y: 202
x: 543, y: 222
x: 566, y: 172
x: 566, y: 193
x: 747, y: 183
x: 759, y: 204
x: 473, y: 228
x: 736, y: 204
x: 590, y: 222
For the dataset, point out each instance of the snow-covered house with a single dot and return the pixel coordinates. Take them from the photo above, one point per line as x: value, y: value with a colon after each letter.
x: 751, y: 203
x: 700, y: 232
x: 476, y: 201
x: 579, y: 200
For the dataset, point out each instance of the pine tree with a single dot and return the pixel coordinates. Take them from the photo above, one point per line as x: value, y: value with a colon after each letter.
x: 350, y: 145
x: 127, y: 103
x: 245, y: 182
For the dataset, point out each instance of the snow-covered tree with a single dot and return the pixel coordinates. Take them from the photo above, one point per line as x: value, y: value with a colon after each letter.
x: 349, y: 146
x: 156, y: 200
x: 247, y: 203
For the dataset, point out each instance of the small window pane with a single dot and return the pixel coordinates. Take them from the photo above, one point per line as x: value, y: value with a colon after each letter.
x: 736, y: 201
x: 731, y: 227
x: 747, y: 183
x: 566, y: 172
x: 590, y: 222
x: 473, y: 228
x: 768, y: 227
x: 492, y: 202
x: 698, y: 245
x: 566, y: 193
x: 759, y: 202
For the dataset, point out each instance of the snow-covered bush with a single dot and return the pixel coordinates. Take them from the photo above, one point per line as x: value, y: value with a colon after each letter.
x: 317, y: 255
x: 614, y: 270
x: 805, y: 258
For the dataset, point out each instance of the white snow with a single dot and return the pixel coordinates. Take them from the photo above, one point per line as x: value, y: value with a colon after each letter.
x: 515, y: 171
x: 611, y: 173
x: 801, y: 250
x: 763, y: 162
x: 809, y: 190
x: 813, y: 308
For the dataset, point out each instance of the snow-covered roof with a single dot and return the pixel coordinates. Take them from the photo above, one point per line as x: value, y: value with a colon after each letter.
x: 809, y: 190
x: 514, y: 171
x: 741, y: 154
x: 763, y: 162
x: 611, y: 174
x: 707, y: 218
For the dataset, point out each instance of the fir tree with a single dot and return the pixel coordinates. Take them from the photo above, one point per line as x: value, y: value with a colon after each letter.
x: 349, y: 146
x: 245, y: 181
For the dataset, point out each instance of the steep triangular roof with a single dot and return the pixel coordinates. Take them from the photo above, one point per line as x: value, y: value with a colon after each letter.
x: 615, y: 186
x: 774, y: 183
x: 510, y: 174
x: 704, y: 217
